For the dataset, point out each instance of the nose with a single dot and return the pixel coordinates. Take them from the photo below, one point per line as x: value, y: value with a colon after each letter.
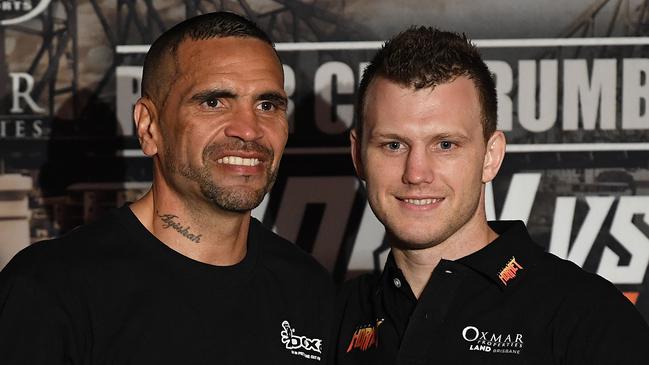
x: 244, y: 126
x: 418, y: 168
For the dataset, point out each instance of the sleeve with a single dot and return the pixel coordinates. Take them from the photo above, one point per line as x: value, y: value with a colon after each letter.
x: 33, y: 325
x: 607, y: 329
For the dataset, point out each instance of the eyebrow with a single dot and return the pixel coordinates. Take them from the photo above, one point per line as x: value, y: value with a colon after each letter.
x: 385, y: 136
x: 206, y: 95
x: 274, y: 97
x: 437, y: 137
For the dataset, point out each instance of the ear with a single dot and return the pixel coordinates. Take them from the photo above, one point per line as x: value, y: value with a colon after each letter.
x: 354, y: 138
x: 494, y: 155
x: 146, y: 125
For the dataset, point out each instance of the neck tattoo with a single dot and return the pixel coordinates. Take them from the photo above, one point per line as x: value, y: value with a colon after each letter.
x: 169, y: 221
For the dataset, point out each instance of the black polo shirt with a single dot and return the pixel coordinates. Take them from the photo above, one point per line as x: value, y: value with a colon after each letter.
x: 508, y: 303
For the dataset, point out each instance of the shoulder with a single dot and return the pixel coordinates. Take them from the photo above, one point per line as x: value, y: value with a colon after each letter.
x: 545, y: 274
x: 44, y: 300
x: 68, y: 252
x: 361, y: 284
x: 280, y: 255
x: 571, y: 281
x: 573, y: 289
x: 357, y: 293
x: 590, y: 315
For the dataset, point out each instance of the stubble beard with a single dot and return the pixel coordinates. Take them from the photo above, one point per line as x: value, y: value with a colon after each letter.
x: 231, y: 199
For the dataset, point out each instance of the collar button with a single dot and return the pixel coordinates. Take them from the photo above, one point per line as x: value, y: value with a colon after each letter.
x: 397, y: 282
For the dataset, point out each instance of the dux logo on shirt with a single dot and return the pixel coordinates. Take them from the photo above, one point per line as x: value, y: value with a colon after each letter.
x: 297, y: 343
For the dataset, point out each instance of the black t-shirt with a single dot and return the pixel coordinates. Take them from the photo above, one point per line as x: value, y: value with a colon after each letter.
x: 508, y: 303
x: 111, y: 293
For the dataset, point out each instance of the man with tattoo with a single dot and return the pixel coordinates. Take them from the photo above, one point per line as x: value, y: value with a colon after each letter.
x: 184, y: 275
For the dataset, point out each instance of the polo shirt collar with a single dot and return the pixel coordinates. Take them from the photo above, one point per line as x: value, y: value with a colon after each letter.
x: 505, y: 261
x: 392, y: 277
x: 508, y: 258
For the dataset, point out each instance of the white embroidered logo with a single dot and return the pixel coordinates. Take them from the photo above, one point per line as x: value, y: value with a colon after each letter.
x: 504, y: 343
x: 295, y: 343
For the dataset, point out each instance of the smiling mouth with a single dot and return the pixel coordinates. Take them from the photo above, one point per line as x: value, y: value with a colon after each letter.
x: 422, y: 201
x: 238, y: 161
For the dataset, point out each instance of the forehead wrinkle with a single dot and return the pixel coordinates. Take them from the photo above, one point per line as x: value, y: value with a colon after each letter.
x: 226, y: 75
x: 236, y: 83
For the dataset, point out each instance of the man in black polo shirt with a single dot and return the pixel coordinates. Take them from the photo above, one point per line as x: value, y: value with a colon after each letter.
x: 183, y: 275
x: 457, y: 289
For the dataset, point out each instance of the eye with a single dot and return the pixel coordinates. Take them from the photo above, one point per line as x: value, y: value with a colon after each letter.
x: 393, y: 146
x: 267, y: 106
x: 212, y: 103
x: 446, y: 145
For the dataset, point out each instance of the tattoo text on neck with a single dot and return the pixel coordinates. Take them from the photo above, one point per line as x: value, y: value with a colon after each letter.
x: 169, y: 221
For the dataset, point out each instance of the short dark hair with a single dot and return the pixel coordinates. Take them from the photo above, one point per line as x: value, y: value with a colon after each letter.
x: 202, y: 27
x: 424, y: 57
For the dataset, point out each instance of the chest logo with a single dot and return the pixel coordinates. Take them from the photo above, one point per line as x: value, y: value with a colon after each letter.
x: 299, y: 344
x: 365, y: 337
x: 509, y: 271
x: 493, y: 342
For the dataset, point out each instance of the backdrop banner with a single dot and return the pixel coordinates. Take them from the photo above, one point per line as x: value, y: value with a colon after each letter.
x: 572, y: 82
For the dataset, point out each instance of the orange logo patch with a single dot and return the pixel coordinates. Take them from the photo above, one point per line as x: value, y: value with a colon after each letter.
x: 509, y: 271
x: 365, y: 337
